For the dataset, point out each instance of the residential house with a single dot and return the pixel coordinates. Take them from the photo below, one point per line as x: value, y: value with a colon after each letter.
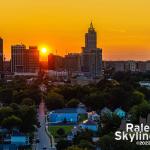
x: 81, y: 109
x: 106, y: 111
x: 17, y: 140
x: 67, y: 114
x: 8, y: 147
x: 90, y: 125
x: 120, y: 113
x: 61, y: 115
x: 93, y: 116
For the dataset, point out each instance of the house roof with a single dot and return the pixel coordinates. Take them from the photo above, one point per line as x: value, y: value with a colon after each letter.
x: 89, y: 122
x: 119, y: 110
x: 106, y: 110
x: 65, y: 110
x: 8, y: 146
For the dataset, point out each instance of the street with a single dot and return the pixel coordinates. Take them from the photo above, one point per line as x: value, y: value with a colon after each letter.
x: 44, y: 140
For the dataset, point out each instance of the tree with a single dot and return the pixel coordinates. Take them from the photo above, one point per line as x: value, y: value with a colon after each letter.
x: 6, y: 95
x: 54, y: 101
x: 61, y: 132
x: 137, y: 97
x: 27, y: 101
x: 16, y: 109
x: 84, y: 144
x: 95, y: 100
x: 28, y: 115
x: 142, y: 110
x: 62, y: 145
x: 106, y: 142
x: 5, y: 112
x: 110, y: 123
x: 84, y: 135
x: 73, y: 103
x: 12, y: 122
x: 145, y: 91
x: 75, y: 148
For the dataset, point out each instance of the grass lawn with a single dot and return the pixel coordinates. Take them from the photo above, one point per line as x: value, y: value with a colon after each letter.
x: 53, y: 129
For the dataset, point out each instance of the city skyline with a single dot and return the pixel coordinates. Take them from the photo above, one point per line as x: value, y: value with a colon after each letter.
x: 123, y: 30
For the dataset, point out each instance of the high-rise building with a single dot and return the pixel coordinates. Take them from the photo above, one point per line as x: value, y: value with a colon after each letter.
x: 24, y: 60
x: 18, y: 58
x: 1, y: 55
x: 55, y: 62
x: 7, y: 67
x: 33, y: 59
x: 90, y: 39
x: 73, y: 63
x: 91, y: 58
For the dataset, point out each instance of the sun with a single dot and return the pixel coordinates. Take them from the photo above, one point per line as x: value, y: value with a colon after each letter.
x: 44, y: 50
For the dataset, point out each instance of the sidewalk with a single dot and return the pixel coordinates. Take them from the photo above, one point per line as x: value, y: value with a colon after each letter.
x: 53, y: 144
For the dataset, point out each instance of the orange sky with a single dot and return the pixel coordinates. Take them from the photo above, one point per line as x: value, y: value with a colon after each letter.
x: 123, y: 27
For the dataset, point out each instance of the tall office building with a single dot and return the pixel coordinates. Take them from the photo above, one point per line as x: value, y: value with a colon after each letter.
x: 55, y: 62
x: 33, y: 59
x: 73, y: 63
x: 18, y: 58
x: 1, y: 55
x: 24, y: 60
x: 91, y: 58
x: 90, y: 39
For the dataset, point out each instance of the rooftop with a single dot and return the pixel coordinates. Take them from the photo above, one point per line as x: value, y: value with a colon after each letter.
x: 66, y: 110
x: 89, y: 122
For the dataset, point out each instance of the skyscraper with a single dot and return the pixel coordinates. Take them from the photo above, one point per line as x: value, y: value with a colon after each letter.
x: 91, y: 58
x: 1, y: 55
x: 90, y: 39
x: 73, y: 63
x: 24, y: 60
x: 18, y: 58
x: 55, y: 62
x: 33, y: 59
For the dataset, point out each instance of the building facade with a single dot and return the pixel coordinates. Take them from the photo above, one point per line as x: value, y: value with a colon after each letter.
x: 55, y: 62
x: 73, y: 63
x: 1, y: 55
x: 125, y: 66
x: 18, y: 58
x: 33, y: 59
x: 7, y: 67
x: 61, y: 115
x: 24, y: 60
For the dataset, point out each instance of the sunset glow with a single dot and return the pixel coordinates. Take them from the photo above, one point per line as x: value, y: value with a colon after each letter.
x: 123, y: 27
x: 44, y: 51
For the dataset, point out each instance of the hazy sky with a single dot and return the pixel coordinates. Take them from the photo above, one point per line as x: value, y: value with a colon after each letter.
x: 123, y: 26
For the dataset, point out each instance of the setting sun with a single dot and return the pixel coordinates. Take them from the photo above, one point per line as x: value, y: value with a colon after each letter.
x: 44, y: 50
